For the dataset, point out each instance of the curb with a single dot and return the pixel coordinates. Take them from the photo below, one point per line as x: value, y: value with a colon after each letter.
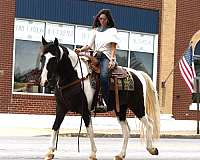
x: 110, y: 135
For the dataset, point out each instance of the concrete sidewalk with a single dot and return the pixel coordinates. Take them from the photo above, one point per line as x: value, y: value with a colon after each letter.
x: 40, y: 125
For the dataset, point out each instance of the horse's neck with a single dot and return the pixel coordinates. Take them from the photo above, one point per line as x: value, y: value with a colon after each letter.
x: 80, y: 66
x: 82, y: 69
x: 66, y: 72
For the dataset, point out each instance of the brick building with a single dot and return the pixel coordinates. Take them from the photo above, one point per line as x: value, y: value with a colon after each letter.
x: 154, y: 32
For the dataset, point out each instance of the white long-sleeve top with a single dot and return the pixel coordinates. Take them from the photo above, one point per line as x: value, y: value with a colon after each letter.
x: 101, y: 41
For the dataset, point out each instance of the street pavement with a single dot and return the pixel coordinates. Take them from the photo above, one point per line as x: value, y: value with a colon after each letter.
x: 40, y: 125
x: 26, y: 137
x: 34, y: 148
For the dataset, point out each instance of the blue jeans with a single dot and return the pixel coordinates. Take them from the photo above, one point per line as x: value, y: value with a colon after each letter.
x: 104, y: 77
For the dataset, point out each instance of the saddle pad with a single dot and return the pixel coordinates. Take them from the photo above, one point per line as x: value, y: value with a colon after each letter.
x: 126, y: 84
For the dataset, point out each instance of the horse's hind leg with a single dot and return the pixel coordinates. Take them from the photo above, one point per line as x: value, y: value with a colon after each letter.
x: 148, y: 135
x: 126, y: 133
x: 90, y: 132
x: 54, y: 136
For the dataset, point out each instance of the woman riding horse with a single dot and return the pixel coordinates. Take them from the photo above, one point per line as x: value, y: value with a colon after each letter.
x: 73, y: 92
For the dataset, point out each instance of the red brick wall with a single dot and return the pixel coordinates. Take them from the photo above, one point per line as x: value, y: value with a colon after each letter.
x: 155, y: 4
x: 7, y: 14
x: 187, y: 23
x: 10, y: 103
x: 146, y: 4
x: 30, y: 104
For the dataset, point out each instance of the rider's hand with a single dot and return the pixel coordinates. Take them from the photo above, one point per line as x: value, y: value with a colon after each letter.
x: 111, y: 64
x: 77, y: 50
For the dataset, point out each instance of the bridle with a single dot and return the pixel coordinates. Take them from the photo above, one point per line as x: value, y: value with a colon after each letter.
x: 76, y: 82
x: 78, y: 60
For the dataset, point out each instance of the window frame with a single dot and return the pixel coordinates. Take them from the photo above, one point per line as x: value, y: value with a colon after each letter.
x: 155, y: 50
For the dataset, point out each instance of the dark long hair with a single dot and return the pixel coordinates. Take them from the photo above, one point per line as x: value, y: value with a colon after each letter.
x: 107, y: 12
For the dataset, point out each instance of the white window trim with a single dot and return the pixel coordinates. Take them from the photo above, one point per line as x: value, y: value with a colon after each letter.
x: 193, y: 107
x: 155, y: 52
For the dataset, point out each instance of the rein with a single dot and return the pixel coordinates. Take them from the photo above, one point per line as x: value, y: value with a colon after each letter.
x: 77, y: 62
x: 81, y: 105
x: 70, y: 85
x: 73, y: 83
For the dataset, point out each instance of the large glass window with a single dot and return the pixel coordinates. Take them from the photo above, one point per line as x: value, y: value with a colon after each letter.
x: 122, y: 58
x: 142, y: 61
x: 135, y: 50
x: 26, y: 66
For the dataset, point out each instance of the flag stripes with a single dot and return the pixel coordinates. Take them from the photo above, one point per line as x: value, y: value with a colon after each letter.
x: 186, y: 66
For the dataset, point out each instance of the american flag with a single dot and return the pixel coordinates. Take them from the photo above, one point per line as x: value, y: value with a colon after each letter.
x: 186, y: 66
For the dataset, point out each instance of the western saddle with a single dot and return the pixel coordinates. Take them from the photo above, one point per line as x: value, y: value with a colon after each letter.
x: 116, y: 74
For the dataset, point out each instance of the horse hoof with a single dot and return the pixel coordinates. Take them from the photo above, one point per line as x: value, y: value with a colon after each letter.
x: 153, y: 151
x: 92, y: 158
x: 49, y: 157
x: 118, y: 158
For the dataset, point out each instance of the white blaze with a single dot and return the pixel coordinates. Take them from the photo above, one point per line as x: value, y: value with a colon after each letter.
x: 44, y: 71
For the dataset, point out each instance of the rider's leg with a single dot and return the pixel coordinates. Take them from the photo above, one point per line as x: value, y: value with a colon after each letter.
x: 104, y: 77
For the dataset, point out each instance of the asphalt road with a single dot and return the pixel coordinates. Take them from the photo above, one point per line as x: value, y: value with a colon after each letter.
x: 34, y: 148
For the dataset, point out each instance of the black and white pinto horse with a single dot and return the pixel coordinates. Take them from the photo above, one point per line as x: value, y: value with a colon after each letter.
x: 71, y: 72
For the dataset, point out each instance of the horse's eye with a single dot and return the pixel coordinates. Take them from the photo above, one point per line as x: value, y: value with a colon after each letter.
x: 42, y: 61
x: 42, y: 58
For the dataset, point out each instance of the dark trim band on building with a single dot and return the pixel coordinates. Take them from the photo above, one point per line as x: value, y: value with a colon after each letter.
x: 82, y: 12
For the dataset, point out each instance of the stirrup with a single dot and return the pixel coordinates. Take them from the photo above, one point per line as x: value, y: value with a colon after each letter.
x: 101, y: 107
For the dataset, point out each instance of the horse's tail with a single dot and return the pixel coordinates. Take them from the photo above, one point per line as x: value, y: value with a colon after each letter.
x: 152, y: 105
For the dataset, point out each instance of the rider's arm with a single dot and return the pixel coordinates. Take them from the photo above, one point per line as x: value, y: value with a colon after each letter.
x: 112, y: 57
x: 113, y: 50
x: 89, y: 44
x: 82, y: 49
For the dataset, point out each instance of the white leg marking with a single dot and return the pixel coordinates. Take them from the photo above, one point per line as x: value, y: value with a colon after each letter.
x: 52, y: 142
x: 90, y: 133
x: 149, y: 131
x: 126, y: 134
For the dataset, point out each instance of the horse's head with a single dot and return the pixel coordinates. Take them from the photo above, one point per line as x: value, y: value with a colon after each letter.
x: 51, y: 53
x: 60, y: 64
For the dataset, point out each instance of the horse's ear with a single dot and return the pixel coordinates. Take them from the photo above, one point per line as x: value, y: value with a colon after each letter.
x: 44, y: 42
x: 56, y: 42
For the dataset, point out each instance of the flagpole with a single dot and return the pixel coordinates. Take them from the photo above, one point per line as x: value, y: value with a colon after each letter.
x: 172, y: 70
x: 197, y: 105
x: 163, y: 84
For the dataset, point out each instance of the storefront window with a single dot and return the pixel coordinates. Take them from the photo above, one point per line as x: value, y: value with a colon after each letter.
x: 122, y: 58
x: 26, y: 66
x: 135, y: 50
x: 142, y: 61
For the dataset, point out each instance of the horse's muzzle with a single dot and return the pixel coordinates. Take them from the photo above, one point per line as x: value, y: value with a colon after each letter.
x: 43, y: 83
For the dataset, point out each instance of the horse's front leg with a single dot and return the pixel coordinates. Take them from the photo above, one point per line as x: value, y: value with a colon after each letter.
x: 54, y: 136
x: 52, y: 145
x: 90, y: 133
x: 126, y: 133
